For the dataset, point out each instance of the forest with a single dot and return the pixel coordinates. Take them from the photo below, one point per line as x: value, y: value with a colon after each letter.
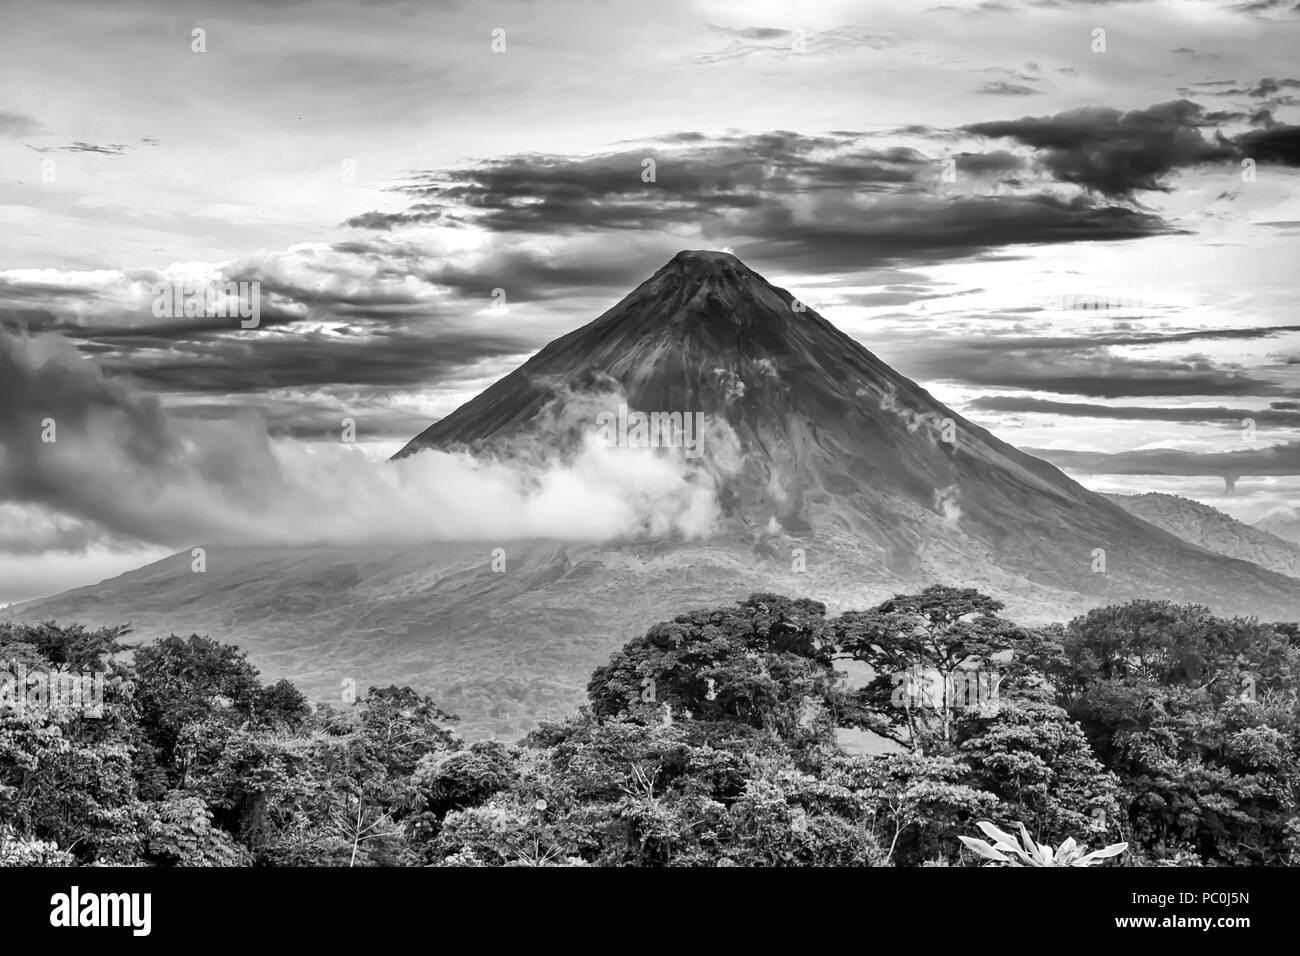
x: 1141, y: 734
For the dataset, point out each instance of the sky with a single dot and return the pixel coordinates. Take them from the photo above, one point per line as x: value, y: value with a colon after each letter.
x: 1077, y: 223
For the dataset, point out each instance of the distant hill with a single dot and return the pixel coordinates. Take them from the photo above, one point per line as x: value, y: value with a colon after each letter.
x: 1284, y: 523
x: 1213, y: 530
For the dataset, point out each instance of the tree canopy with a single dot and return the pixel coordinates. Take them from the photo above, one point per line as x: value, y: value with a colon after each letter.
x: 723, y: 737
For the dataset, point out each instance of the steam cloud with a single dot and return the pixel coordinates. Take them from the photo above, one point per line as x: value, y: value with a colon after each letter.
x: 123, y: 464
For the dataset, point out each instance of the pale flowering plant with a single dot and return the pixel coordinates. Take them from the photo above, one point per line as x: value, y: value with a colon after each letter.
x: 1004, y: 850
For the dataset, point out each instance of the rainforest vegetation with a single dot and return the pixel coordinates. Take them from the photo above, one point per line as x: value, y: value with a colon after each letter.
x: 715, y: 739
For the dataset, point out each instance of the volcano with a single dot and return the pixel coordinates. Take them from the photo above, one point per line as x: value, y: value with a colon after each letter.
x: 834, y: 478
x: 837, y: 450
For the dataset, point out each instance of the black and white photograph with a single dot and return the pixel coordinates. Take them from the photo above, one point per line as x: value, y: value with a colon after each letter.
x: 441, y: 436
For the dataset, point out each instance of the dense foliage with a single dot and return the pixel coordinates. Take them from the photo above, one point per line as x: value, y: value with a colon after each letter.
x: 720, y: 738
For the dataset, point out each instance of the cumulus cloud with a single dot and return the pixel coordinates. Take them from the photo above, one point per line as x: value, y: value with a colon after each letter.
x: 121, y: 463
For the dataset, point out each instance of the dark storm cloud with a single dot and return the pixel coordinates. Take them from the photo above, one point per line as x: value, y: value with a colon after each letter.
x: 1277, y: 460
x: 1113, y: 152
x: 817, y: 203
x: 1278, y: 414
x: 1279, y: 143
x: 925, y: 228
x: 698, y: 179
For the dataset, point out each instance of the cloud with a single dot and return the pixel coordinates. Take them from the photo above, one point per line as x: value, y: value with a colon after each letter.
x: 913, y: 229
x: 17, y: 124
x: 982, y: 164
x: 387, y: 221
x: 1003, y: 88
x: 1119, y: 154
x: 108, y: 149
x: 1268, y: 86
x: 693, y: 177
x: 820, y: 203
x: 1278, y: 414
x: 1278, y: 460
x: 1071, y: 368
x: 1259, y: 8
x: 1115, y: 153
x: 363, y: 316
x: 129, y: 469
x: 1279, y: 143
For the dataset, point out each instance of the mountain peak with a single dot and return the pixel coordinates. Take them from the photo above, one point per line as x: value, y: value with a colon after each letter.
x: 704, y: 268
x: 702, y: 291
x: 706, y: 258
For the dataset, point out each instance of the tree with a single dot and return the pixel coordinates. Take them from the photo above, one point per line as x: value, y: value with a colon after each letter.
x: 186, y: 683
x: 1196, y: 715
x: 1037, y: 761
x: 766, y: 662
x: 942, y: 638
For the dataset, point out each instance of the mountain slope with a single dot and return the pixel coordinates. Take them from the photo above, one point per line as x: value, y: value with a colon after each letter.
x: 833, y: 443
x: 1213, y: 530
